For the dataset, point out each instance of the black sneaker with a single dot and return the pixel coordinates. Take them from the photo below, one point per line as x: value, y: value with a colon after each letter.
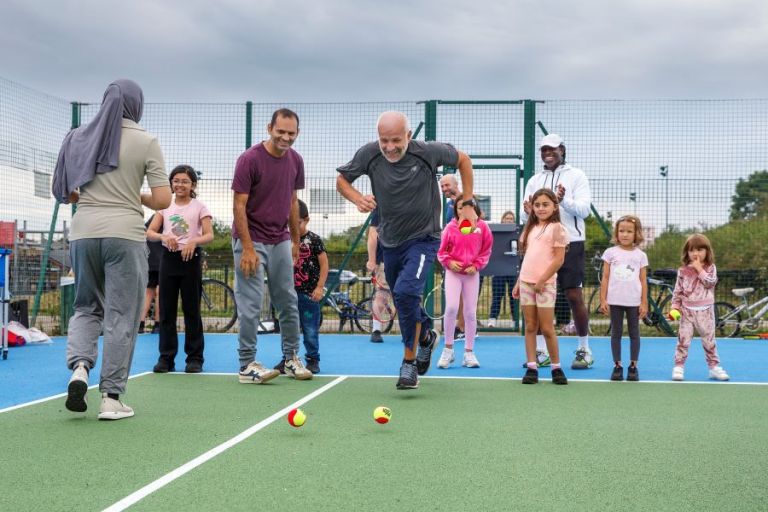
x: 558, y: 377
x: 531, y: 376
x: 193, y: 367
x: 632, y: 374
x: 424, y: 355
x: 312, y: 365
x: 164, y: 366
x: 376, y: 337
x: 141, y: 327
x: 458, y: 334
x: 156, y: 329
x: 409, y: 378
x: 280, y: 367
x: 618, y: 373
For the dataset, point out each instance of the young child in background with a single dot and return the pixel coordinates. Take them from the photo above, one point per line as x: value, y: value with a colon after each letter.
x: 462, y: 256
x: 543, y: 244
x: 624, y: 290
x: 309, y: 275
x: 694, y: 297
x: 182, y: 227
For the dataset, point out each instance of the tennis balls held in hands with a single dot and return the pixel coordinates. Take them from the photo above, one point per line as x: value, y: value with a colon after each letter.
x: 465, y: 227
x: 674, y: 314
x: 296, y: 418
x: 382, y: 414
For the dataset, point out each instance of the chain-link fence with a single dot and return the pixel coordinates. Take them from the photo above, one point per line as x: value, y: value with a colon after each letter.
x: 678, y: 165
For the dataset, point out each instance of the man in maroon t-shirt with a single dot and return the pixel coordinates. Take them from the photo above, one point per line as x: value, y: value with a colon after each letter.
x: 265, y: 238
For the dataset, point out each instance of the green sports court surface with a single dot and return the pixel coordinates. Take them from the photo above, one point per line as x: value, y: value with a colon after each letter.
x: 205, y: 442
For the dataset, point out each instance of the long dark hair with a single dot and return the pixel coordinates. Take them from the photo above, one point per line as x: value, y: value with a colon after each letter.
x: 189, y: 171
x: 533, y: 220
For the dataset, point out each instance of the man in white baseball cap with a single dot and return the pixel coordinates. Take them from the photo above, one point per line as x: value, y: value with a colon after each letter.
x: 572, y: 189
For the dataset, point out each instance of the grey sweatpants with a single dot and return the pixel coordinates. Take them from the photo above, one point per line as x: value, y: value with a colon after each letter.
x: 277, y: 262
x: 110, y: 279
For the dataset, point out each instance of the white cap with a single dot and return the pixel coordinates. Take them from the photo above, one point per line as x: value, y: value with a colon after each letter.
x: 552, y: 140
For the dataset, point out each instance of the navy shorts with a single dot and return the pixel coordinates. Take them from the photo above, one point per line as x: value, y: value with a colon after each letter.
x: 571, y: 274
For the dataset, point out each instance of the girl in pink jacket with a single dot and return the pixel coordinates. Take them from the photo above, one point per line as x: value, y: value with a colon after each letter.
x: 694, y: 297
x: 462, y: 256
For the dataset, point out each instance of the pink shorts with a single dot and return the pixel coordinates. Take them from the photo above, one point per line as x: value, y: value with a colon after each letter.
x: 545, y: 299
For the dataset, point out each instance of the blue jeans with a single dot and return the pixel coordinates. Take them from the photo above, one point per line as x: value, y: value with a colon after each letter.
x: 309, y: 316
x: 407, y: 267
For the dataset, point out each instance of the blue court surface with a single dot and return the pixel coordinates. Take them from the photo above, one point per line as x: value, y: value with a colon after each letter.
x: 35, y: 372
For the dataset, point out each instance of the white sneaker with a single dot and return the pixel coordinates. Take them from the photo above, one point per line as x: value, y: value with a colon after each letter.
x: 296, y: 369
x: 470, y: 361
x: 717, y: 373
x: 255, y: 373
x: 678, y: 373
x: 446, y: 358
x: 491, y: 322
x: 77, y: 390
x: 112, y: 409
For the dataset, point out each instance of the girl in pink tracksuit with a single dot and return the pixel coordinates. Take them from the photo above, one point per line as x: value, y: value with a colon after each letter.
x: 694, y: 297
x: 462, y: 256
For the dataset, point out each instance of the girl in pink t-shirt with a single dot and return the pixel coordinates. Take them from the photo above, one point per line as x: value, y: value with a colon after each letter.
x: 185, y: 225
x: 624, y: 290
x: 462, y: 256
x: 543, y: 243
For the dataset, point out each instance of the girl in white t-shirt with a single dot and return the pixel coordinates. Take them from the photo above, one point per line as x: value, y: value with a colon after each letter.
x: 624, y: 290
x: 182, y: 227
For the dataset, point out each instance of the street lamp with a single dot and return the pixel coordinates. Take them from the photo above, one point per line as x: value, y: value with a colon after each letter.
x: 633, y: 198
x: 664, y: 171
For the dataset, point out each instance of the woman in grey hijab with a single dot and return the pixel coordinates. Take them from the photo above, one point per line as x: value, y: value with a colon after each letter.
x: 102, y: 166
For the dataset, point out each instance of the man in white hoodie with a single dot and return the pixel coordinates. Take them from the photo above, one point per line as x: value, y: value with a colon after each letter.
x: 572, y: 189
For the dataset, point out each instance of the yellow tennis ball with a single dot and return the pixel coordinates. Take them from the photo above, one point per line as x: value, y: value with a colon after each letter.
x: 382, y: 414
x: 674, y: 314
x: 467, y: 230
x: 296, y: 418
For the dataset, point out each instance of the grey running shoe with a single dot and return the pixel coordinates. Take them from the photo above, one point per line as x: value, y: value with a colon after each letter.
x: 409, y: 378
x: 424, y: 355
x: 78, y: 389
x: 376, y: 337
x: 583, y: 360
x: 112, y: 409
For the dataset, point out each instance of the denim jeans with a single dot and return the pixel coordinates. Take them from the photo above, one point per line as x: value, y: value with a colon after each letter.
x: 309, y: 316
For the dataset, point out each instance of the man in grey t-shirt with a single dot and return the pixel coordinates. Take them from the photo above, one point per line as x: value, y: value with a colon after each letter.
x: 403, y: 175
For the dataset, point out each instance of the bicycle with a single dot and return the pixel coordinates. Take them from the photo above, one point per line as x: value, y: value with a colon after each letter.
x: 728, y: 319
x: 357, y: 314
x: 218, y: 310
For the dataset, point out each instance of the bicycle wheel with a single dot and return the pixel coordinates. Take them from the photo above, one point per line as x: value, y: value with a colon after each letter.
x: 664, y: 324
x: 599, y: 323
x: 364, y: 319
x: 727, y: 321
x: 217, y: 306
x: 434, y: 303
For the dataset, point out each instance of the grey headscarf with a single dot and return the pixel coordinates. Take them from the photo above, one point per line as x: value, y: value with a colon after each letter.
x: 95, y: 147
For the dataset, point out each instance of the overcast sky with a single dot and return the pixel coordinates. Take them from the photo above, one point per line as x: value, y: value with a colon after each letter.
x: 359, y: 50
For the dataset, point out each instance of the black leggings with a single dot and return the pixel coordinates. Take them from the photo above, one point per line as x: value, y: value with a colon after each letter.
x: 617, y: 329
x: 185, y: 278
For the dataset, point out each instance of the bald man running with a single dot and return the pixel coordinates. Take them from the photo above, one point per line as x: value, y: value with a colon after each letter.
x: 403, y: 175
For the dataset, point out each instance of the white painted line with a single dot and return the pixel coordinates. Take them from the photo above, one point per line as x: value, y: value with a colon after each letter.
x: 161, y: 482
x: 60, y: 395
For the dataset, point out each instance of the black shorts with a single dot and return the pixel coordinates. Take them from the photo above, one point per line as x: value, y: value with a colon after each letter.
x: 154, y: 279
x: 571, y: 274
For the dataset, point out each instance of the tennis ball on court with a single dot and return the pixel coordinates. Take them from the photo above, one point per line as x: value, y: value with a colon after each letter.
x: 465, y: 227
x: 382, y: 414
x: 296, y: 418
x: 674, y: 314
